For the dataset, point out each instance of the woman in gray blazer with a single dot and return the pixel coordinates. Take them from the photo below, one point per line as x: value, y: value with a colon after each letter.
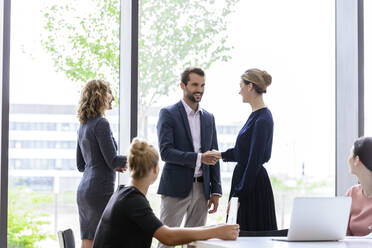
x: 96, y: 156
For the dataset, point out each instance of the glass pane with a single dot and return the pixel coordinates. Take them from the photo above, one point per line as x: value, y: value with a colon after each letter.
x: 56, y: 47
x: 367, y: 66
x: 281, y: 37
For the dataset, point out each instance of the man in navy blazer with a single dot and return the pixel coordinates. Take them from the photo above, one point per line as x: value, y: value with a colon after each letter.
x: 190, y: 182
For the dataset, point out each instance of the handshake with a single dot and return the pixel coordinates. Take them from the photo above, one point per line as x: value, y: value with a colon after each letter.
x: 210, y: 157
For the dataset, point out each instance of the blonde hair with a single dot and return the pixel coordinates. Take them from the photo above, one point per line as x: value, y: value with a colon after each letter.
x: 94, y: 100
x: 142, y: 158
x: 260, y: 79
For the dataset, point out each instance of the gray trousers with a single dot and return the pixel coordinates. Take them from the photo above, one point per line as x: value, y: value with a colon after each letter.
x: 195, y: 206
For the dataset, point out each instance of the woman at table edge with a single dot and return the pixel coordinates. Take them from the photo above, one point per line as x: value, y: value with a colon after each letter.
x: 360, y: 164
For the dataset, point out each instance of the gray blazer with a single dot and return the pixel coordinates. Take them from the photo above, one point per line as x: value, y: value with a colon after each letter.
x: 97, y: 157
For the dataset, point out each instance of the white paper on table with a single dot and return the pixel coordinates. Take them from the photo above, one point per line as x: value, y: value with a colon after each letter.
x: 368, y: 236
x: 233, y: 212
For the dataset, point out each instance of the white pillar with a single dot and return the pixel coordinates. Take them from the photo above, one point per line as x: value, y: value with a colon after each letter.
x: 128, y: 77
x: 348, y: 96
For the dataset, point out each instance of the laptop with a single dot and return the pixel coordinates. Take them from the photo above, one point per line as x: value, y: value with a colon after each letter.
x: 318, y: 219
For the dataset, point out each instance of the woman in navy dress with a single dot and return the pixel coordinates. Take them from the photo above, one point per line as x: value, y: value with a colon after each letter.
x: 96, y: 156
x: 250, y: 181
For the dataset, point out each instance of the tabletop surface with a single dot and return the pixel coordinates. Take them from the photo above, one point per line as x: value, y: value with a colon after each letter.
x: 267, y: 242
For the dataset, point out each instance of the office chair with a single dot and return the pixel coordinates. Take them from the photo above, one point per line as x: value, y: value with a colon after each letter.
x: 66, y: 239
x: 272, y: 233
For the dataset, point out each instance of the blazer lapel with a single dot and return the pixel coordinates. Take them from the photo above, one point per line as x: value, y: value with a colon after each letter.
x: 185, y: 122
x: 202, y: 131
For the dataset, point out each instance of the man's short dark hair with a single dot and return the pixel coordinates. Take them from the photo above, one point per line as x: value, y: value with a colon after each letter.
x: 185, y: 76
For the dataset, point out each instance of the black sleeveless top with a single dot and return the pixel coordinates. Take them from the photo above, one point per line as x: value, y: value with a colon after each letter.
x: 128, y: 221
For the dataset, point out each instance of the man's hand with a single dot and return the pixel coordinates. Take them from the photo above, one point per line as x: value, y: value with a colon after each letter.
x: 210, y: 157
x: 217, y: 153
x: 213, y: 200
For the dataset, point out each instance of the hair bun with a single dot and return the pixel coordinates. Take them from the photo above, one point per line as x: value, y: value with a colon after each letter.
x: 142, y: 158
x: 267, y: 78
x: 261, y: 79
x: 138, y: 147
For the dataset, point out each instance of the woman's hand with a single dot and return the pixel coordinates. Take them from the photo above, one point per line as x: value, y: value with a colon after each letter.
x: 121, y: 170
x: 227, y: 232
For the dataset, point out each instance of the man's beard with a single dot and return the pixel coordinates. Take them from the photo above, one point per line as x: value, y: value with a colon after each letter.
x: 192, y: 98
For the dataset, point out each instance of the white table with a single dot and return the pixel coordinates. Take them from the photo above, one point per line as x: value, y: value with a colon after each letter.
x: 267, y: 242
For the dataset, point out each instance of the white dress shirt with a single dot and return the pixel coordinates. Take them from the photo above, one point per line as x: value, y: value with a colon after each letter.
x: 194, y: 123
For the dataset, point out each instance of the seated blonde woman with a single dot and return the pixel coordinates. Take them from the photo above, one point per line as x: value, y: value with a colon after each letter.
x: 360, y: 164
x: 128, y: 220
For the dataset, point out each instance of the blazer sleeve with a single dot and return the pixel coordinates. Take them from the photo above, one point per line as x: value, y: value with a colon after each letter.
x: 80, y: 163
x: 168, y: 152
x: 228, y: 155
x: 107, y: 145
x: 215, y: 169
x: 261, y: 133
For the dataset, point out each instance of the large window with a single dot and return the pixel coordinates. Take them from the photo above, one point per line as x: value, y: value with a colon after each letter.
x: 367, y: 66
x: 56, y: 47
x: 293, y: 46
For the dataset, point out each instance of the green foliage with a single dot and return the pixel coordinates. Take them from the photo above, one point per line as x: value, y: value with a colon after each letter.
x: 299, y: 185
x: 24, y: 219
x: 82, y: 37
x: 176, y: 34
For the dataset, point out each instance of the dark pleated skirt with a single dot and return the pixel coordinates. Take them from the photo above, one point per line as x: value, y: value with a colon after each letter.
x: 257, y: 208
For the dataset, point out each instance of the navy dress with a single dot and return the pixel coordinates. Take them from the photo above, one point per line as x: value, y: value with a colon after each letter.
x: 250, y: 181
x: 97, y: 157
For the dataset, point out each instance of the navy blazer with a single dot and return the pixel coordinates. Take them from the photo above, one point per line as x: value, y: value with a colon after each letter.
x: 177, y: 151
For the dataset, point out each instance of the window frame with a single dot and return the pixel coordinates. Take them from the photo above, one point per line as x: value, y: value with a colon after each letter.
x: 5, y: 60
